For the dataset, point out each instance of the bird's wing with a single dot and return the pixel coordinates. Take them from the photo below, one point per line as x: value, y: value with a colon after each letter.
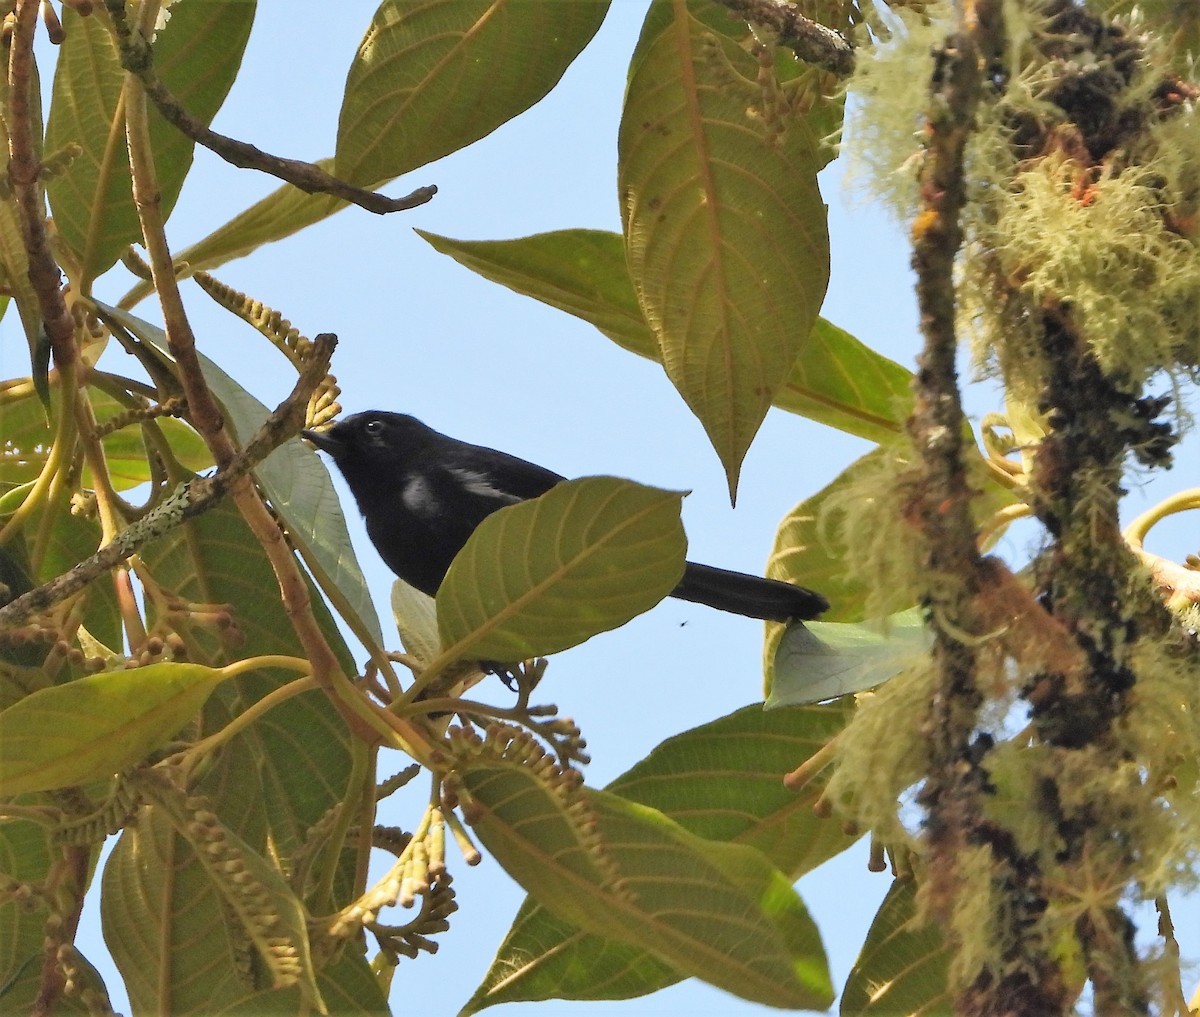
x: 489, y: 474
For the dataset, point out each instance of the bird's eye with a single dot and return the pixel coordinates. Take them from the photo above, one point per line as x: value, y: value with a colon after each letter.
x: 373, y: 427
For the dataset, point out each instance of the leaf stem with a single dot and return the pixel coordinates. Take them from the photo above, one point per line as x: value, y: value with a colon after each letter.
x: 1182, y: 501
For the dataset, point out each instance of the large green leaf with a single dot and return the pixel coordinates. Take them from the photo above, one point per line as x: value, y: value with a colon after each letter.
x: 807, y: 550
x: 719, y: 912
x: 842, y: 382
x: 546, y: 574
x: 376, y: 143
x: 902, y: 967
x: 298, y: 752
x: 726, y: 232
x: 804, y: 551
x: 432, y: 76
x: 197, y: 55
x: 92, y: 727
x: 165, y: 920
x: 179, y: 941
x: 582, y: 272
x: 835, y: 380
x: 165, y: 923
x: 720, y: 781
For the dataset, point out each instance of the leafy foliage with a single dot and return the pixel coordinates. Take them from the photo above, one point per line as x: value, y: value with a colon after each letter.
x: 173, y: 670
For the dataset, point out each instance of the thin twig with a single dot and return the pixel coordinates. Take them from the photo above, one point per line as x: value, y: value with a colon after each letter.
x: 137, y: 59
x: 189, y: 501
x: 810, y: 41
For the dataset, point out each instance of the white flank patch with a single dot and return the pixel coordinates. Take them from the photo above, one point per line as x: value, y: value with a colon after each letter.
x: 481, y: 484
x: 416, y: 496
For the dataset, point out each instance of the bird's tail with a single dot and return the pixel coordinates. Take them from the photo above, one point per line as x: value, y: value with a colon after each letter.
x: 750, y: 596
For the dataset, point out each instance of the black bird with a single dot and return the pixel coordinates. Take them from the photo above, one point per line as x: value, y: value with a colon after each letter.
x: 422, y: 494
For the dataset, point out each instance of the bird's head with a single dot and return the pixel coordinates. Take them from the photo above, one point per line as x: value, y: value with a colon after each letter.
x: 373, y: 437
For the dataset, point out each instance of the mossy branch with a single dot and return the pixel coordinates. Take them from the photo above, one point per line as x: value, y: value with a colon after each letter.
x: 811, y: 41
x: 943, y: 495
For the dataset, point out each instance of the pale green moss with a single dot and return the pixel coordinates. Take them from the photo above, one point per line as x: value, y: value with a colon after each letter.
x: 1132, y: 285
x: 881, y: 754
x: 973, y: 922
x: 888, y: 97
x: 866, y: 517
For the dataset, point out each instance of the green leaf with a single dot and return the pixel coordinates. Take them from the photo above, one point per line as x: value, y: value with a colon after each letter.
x: 194, y: 962
x: 260, y: 909
x: 726, y: 232
x: 804, y: 548
x: 90, y: 728
x: 723, y: 781
x: 274, y: 898
x: 720, y: 781
x: 165, y: 923
x: 546, y: 574
x: 416, y: 619
x: 70, y: 539
x: 903, y: 966
x: 288, y: 210
x: 295, y: 479
x: 346, y: 983
x: 840, y: 381
x: 431, y: 77
x: 28, y: 438
x: 197, y: 55
x: 579, y: 271
x: 807, y: 550
x: 719, y: 912
x: 815, y: 661
x: 835, y: 380
x: 280, y: 775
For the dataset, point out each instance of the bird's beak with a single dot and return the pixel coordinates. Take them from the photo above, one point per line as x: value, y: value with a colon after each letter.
x: 324, y: 440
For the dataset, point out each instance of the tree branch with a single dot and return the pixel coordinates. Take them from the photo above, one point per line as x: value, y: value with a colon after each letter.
x: 24, y: 171
x: 206, y: 416
x: 137, y: 58
x: 811, y: 42
x: 957, y: 784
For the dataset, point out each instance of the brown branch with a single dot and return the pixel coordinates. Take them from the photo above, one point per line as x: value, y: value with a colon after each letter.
x: 137, y: 59
x: 69, y: 877
x: 24, y: 170
x: 956, y: 790
x: 936, y: 426
x: 206, y: 417
x: 810, y: 41
x: 189, y: 501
